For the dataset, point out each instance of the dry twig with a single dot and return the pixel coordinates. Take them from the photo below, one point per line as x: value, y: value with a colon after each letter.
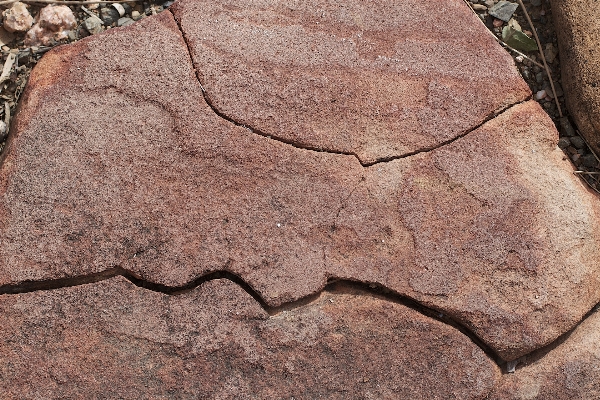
x: 10, y: 60
x: 586, y: 172
x: 537, y: 39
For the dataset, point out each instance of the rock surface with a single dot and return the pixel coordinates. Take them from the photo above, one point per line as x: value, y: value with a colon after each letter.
x: 571, y: 370
x: 161, y: 151
x: 379, y: 81
x: 492, y: 229
x: 578, y: 39
x: 114, y: 340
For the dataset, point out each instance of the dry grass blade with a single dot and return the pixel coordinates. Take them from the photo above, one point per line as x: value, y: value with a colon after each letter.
x: 10, y: 60
x: 7, y: 114
x: 586, y: 172
x: 537, y: 39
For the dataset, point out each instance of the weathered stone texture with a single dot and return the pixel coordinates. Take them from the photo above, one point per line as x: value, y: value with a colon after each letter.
x: 114, y: 340
x: 570, y: 370
x: 378, y: 80
x: 116, y: 160
x: 578, y: 31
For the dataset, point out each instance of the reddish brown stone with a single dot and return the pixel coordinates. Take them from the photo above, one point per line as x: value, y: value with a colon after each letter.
x: 114, y: 340
x: 163, y: 187
x: 578, y: 31
x: 571, y: 370
x: 375, y: 79
x: 116, y: 160
x: 498, y: 240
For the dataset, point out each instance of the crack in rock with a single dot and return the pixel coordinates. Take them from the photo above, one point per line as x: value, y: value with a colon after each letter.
x: 364, y: 163
x: 110, y: 338
x: 332, y: 284
x: 179, y: 194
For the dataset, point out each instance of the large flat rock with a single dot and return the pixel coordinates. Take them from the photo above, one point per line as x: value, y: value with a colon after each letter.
x: 570, y: 370
x: 578, y: 31
x: 108, y: 168
x: 379, y: 81
x: 114, y: 340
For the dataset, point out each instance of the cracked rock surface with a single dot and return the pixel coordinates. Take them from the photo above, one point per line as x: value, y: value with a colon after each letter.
x: 182, y: 146
x: 115, y: 340
x: 379, y: 81
x: 570, y: 370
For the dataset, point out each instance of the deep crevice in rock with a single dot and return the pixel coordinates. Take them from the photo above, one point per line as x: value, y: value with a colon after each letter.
x: 257, y: 131
x: 333, y: 285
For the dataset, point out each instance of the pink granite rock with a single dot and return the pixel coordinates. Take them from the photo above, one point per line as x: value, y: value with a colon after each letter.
x: 115, y: 159
x: 114, y: 340
x: 380, y: 80
x: 570, y: 370
x: 52, y: 23
x: 17, y: 18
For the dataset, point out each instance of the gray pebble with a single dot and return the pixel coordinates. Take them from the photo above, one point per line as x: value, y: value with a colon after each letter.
x: 503, y: 10
x: 109, y: 16
x: 578, y: 142
x: 3, y: 130
x: 589, y: 160
x: 125, y: 21
x: 539, y: 77
x: 566, y: 128
x: 93, y: 25
x: 559, y: 90
x: 564, y: 142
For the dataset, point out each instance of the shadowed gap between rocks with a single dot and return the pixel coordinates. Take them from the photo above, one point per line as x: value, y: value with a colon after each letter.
x: 320, y: 150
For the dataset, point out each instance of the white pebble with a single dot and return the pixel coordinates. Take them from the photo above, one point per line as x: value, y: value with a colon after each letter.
x: 540, y: 95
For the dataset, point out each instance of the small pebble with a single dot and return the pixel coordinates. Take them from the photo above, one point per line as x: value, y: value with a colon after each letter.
x: 589, y: 161
x: 93, y: 25
x: 566, y: 128
x: 125, y: 21
x: 503, y: 10
x: 17, y: 18
x: 539, y: 77
x: 3, y: 130
x: 550, y: 52
x: 479, y: 7
x: 578, y: 142
x: 558, y: 89
x: 540, y: 95
x: 53, y: 23
x: 497, y: 23
x: 109, y: 16
x: 120, y: 9
x: 135, y: 15
x: 564, y: 142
